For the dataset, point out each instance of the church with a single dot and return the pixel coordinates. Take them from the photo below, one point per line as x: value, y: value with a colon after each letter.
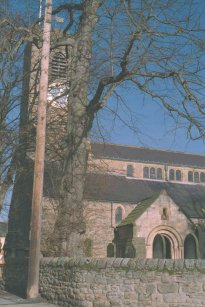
x: 141, y: 202
x: 138, y: 202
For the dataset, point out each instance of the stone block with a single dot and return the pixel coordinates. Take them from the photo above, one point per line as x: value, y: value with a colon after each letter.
x: 200, y: 264
x: 102, y: 263
x: 169, y: 264
x: 161, y: 264
x: 124, y: 262
x: 102, y: 303
x: 152, y: 264
x: 179, y: 265
x: 191, y: 287
x: 168, y: 288
x: 174, y: 298
x: 117, y: 262
x: 190, y: 264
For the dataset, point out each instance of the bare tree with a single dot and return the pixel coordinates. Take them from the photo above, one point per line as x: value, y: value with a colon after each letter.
x: 156, y: 46
x: 153, y: 45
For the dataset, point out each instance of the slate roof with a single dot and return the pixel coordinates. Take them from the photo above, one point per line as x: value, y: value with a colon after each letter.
x: 142, y: 154
x: 103, y: 187
x: 3, y: 229
x: 138, y: 210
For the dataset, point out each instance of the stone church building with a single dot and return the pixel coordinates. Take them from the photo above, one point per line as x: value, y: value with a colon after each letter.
x: 141, y: 202
x: 138, y: 202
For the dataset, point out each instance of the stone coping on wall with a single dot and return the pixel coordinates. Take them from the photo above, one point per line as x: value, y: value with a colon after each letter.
x: 160, y: 265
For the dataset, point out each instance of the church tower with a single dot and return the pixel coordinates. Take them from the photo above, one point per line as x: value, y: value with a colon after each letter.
x: 17, y: 241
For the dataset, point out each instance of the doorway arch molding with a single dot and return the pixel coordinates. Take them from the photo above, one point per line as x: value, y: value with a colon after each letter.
x: 177, y: 249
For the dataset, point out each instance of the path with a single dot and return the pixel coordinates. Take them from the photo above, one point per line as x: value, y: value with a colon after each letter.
x: 10, y: 300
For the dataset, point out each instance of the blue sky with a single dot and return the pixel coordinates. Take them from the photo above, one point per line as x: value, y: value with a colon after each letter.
x: 154, y: 126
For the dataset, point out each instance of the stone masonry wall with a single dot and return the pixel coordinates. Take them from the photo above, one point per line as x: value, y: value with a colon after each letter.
x: 117, y: 282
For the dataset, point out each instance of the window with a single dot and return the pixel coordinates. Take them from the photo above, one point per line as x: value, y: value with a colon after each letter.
x: 146, y: 172
x: 59, y: 67
x: 202, y: 177
x: 171, y: 174
x: 196, y: 177
x: 159, y: 173
x: 164, y: 214
x: 190, y: 251
x: 190, y: 176
x: 130, y: 170
x: 152, y: 173
x: 110, y: 250
x: 161, y: 247
x: 178, y: 175
x: 118, y: 215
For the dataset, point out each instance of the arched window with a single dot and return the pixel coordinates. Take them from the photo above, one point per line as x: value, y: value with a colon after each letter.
x: 110, y: 250
x: 146, y: 172
x: 59, y: 67
x: 118, y: 215
x: 164, y: 215
x: 161, y: 247
x: 202, y: 177
x: 152, y: 173
x: 196, y: 177
x: 159, y: 173
x: 190, y: 176
x: 178, y: 175
x: 130, y: 170
x: 171, y: 174
x: 190, y: 251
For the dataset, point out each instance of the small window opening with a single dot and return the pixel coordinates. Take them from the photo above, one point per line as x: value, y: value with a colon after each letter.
x: 152, y: 173
x: 159, y: 173
x: 130, y: 171
x: 59, y: 67
x: 202, y: 177
x: 164, y: 214
x: 146, y: 172
x: 178, y: 175
x: 171, y: 174
x: 196, y: 177
x: 190, y: 176
x: 118, y: 216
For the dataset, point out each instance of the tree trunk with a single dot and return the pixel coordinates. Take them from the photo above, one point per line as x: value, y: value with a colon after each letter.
x: 68, y: 236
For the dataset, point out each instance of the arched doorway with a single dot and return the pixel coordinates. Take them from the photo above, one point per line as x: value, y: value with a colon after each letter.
x: 161, y: 247
x: 190, y: 247
x: 164, y: 242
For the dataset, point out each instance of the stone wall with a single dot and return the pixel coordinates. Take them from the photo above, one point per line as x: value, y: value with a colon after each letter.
x: 100, y: 224
x: 117, y: 282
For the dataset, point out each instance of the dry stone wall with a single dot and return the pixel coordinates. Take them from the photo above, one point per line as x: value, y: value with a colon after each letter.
x: 117, y: 282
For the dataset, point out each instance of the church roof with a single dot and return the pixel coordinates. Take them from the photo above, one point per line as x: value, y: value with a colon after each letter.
x: 190, y: 198
x: 141, y: 207
x: 146, y: 155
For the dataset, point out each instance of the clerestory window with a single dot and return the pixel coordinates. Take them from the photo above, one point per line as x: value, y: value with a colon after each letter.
x: 171, y: 174
x: 178, y: 175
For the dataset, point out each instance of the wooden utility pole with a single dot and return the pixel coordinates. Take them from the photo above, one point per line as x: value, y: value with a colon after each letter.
x: 34, y: 256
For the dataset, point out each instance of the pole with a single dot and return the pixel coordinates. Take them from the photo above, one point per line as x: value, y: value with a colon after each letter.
x: 40, y: 8
x: 34, y: 256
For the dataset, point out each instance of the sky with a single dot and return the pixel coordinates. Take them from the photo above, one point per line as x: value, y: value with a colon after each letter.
x: 151, y: 126
x: 154, y: 127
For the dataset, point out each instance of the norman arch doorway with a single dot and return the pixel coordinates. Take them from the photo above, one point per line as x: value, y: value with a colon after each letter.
x: 162, y: 247
x: 164, y: 242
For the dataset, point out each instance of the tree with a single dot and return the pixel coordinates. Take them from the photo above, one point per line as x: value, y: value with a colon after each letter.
x: 14, y: 32
x: 153, y: 45
x: 157, y: 46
